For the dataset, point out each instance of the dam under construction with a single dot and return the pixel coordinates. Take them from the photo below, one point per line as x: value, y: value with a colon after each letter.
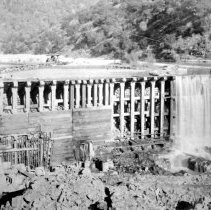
x: 105, y: 137
x: 122, y: 104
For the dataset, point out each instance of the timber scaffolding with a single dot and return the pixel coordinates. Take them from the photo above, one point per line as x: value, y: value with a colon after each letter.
x: 97, y: 110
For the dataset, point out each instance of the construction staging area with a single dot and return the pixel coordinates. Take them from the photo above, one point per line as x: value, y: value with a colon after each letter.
x: 63, y: 127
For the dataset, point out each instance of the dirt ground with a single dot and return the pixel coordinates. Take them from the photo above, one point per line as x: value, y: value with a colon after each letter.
x: 133, y: 180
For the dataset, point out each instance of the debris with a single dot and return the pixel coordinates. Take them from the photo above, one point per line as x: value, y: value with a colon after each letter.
x: 39, y: 171
x: 107, y: 165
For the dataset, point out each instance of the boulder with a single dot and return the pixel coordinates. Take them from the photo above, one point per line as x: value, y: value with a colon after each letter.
x: 40, y: 171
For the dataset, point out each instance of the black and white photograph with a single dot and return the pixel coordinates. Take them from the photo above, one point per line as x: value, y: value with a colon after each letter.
x: 105, y: 104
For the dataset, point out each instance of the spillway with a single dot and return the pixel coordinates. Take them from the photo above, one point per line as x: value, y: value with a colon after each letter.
x: 193, y: 127
x: 192, y: 137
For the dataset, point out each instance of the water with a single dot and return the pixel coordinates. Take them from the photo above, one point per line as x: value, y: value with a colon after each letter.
x: 193, y: 129
x: 193, y: 133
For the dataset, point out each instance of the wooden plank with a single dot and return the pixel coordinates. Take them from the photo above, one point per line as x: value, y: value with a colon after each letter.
x: 56, y: 114
x: 95, y: 124
x: 92, y: 138
x: 19, y: 149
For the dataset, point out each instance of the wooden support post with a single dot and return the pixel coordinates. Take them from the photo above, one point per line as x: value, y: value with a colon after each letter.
x: 172, y: 108
x: 122, y: 104
x: 106, y: 92
x: 27, y: 96
x: 84, y: 93
x: 72, y: 95
x: 1, y: 97
x: 41, y: 98
x: 78, y: 97
x: 14, y: 96
x: 66, y: 95
x: 142, y: 108
x: 100, y: 96
x: 89, y: 93
x: 95, y: 92
x: 152, y: 107
x: 162, y: 95
x: 53, y: 95
x: 132, y: 107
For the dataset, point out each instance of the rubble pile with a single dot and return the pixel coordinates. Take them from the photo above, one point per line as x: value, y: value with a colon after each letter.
x: 128, y: 181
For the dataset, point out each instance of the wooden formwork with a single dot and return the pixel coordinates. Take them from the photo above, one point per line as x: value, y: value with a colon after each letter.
x: 30, y: 150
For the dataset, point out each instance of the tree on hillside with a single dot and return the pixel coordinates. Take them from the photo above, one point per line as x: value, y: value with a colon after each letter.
x: 125, y: 29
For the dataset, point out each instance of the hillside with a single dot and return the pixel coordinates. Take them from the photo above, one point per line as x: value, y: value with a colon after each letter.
x: 125, y: 29
x: 25, y: 23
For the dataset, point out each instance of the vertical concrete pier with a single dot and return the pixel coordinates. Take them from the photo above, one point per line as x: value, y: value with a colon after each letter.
x: 41, y: 99
x: 72, y: 94
x: 66, y: 94
x: 14, y: 96
x: 27, y: 96
x: 142, y: 108
x: 89, y: 93
x: 77, y: 95
x: 53, y: 95
x: 132, y: 107
x: 152, y: 106
x: 95, y: 93
x: 122, y: 104
x: 100, y: 92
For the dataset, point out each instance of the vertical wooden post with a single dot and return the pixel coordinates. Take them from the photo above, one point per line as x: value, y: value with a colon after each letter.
x: 122, y: 104
x: 27, y: 96
x: 77, y: 97
x: 1, y: 97
x: 172, y: 108
x: 95, y: 93
x: 14, y: 96
x: 106, y: 92
x: 162, y: 95
x: 142, y: 108
x: 53, y: 95
x: 84, y: 93
x: 72, y: 95
x: 89, y: 93
x: 100, y: 96
x: 66, y: 94
x: 152, y: 107
x: 132, y: 107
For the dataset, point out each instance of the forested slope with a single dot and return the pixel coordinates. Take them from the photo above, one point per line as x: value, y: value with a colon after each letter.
x: 127, y: 29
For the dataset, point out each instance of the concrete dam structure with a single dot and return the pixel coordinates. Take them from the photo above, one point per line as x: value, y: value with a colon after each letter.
x: 93, y: 109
